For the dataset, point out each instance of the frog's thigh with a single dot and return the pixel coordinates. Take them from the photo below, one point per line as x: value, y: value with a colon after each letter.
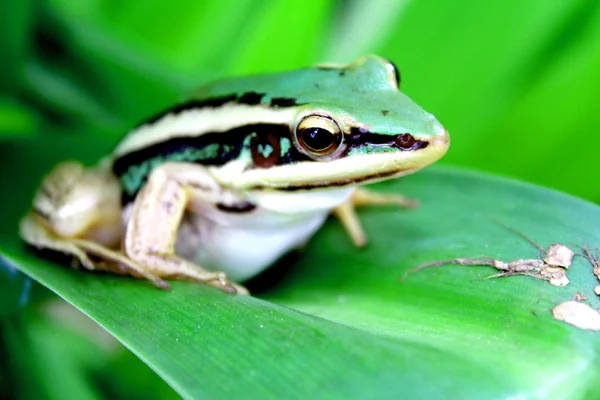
x: 74, y: 201
x: 346, y: 212
x: 156, y: 217
x: 70, y: 202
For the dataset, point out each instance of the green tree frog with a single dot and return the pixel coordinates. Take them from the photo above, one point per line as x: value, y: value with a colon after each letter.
x: 218, y: 188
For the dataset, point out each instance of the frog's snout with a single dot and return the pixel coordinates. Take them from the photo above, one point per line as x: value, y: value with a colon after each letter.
x: 442, y: 138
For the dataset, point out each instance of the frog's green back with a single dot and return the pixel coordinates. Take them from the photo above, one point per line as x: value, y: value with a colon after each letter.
x: 366, y: 90
x: 310, y: 85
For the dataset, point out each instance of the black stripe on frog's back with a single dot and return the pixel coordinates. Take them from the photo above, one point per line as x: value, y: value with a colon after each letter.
x: 268, y: 145
x: 248, y: 98
x: 189, y: 105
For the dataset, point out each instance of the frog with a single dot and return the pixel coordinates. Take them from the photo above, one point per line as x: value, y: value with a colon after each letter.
x: 217, y: 188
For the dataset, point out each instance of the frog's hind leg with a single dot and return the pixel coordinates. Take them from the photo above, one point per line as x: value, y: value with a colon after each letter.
x: 77, y: 212
x: 156, y: 218
x: 36, y: 235
x: 346, y: 212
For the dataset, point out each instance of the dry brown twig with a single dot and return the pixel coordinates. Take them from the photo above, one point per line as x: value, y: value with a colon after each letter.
x: 551, y: 268
x: 595, y: 264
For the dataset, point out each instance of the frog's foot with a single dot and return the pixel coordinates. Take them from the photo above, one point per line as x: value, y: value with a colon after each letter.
x: 346, y: 212
x: 170, y: 266
x: 38, y: 236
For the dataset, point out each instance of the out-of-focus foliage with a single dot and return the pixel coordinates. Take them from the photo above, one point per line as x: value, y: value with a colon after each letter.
x: 516, y: 83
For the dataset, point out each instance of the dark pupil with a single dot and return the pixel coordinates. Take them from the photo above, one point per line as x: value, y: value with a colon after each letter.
x: 318, y: 138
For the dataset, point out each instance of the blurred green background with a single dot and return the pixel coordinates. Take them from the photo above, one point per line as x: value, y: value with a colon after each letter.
x: 516, y: 83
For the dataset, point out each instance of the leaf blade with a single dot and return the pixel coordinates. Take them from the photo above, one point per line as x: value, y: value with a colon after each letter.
x: 470, y: 336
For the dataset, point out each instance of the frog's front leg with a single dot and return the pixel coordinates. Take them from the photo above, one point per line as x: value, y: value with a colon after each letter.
x: 157, y: 214
x: 346, y: 212
x: 77, y: 211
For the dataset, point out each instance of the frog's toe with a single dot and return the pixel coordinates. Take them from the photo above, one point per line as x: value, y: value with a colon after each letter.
x: 223, y: 283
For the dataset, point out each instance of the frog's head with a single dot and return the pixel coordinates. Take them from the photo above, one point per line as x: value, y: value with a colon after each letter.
x: 346, y: 125
x: 319, y: 127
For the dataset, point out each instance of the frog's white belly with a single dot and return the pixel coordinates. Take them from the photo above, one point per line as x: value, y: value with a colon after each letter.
x: 244, y: 244
x: 241, y: 252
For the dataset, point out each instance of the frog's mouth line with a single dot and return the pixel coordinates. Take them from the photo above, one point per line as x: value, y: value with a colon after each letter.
x: 349, y: 182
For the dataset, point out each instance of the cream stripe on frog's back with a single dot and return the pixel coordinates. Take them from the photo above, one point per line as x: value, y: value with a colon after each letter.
x: 196, y: 122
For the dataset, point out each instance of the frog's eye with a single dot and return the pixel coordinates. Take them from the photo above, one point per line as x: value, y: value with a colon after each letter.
x: 319, y: 135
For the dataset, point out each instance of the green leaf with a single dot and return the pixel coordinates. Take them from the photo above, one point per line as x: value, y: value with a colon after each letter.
x: 66, y: 355
x: 16, y: 120
x: 339, y: 322
x: 15, y: 26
